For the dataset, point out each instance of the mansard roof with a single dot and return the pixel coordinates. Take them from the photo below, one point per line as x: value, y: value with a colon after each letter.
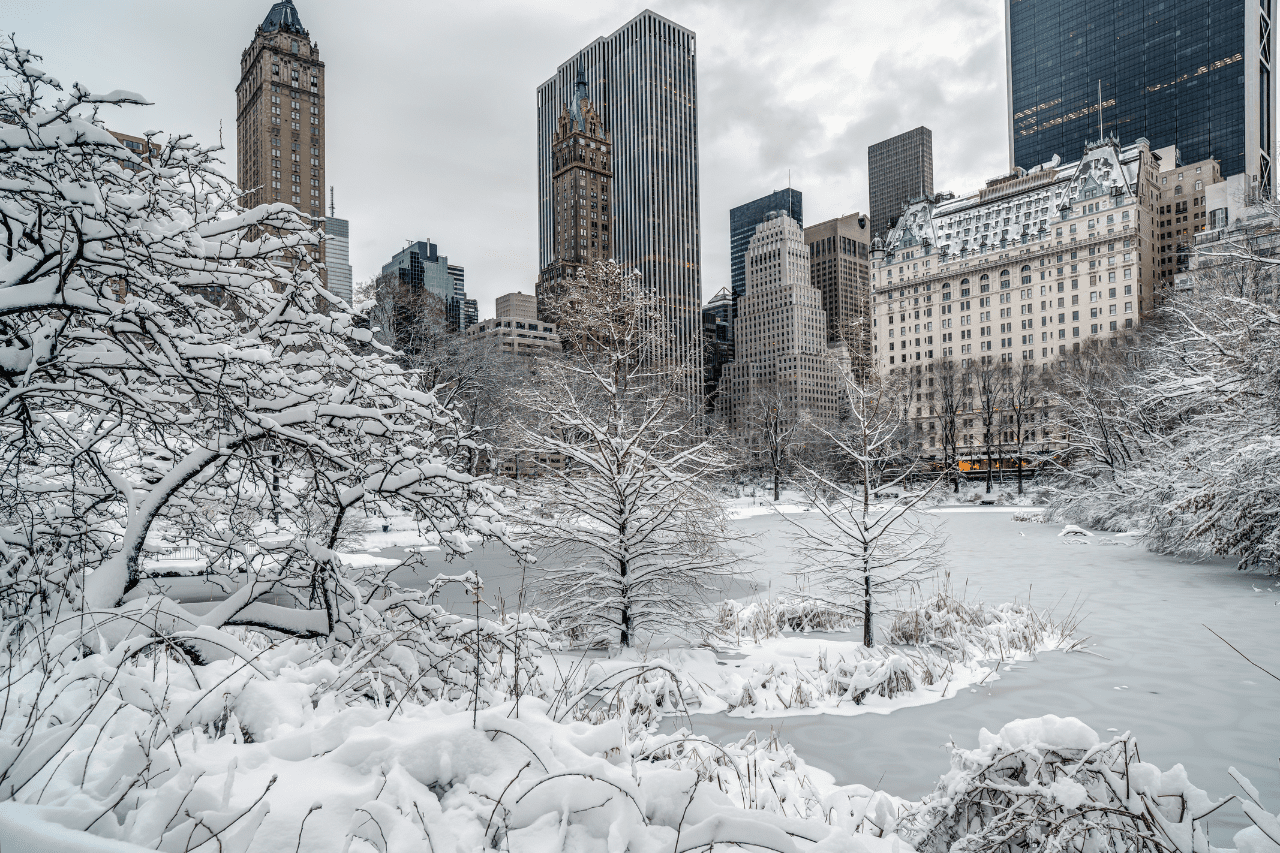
x: 283, y: 17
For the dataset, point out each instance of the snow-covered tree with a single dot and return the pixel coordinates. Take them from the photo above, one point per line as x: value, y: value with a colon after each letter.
x: 776, y: 426
x: 952, y: 382
x: 165, y: 369
x: 1023, y: 384
x: 632, y: 541
x: 988, y: 381
x: 868, y: 549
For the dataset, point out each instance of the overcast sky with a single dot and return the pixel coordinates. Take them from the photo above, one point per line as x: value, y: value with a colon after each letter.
x: 431, y: 109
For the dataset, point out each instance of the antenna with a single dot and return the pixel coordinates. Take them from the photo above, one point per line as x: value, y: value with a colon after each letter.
x: 1100, y: 110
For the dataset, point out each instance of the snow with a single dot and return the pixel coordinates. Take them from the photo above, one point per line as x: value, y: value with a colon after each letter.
x: 1048, y: 730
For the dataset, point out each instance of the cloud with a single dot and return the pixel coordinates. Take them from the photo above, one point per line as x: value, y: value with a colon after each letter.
x: 431, y: 107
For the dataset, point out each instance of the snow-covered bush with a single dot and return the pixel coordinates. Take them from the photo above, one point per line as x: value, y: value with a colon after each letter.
x: 174, y: 368
x: 963, y: 630
x: 1180, y: 437
x: 759, y: 620
x: 1051, y: 784
x: 141, y: 747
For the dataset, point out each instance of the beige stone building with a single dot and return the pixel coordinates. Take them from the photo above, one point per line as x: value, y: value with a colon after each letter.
x: 582, y: 178
x: 1028, y: 269
x: 780, y: 336
x: 1181, y: 213
x: 840, y: 268
x: 517, y: 328
x: 280, y: 116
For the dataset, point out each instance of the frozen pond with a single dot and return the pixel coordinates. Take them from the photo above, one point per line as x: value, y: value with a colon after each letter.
x: 1186, y: 696
x: 1157, y: 671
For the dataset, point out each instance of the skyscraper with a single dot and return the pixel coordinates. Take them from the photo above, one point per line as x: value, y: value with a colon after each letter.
x: 743, y: 221
x: 840, y: 268
x: 781, y: 355
x: 423, y: 272
x: 581, y: 180
x: 1195, y: 74
x: 280, y: 115
x: 898, y: 170
x: 337, y: 253
x: 642, y: 80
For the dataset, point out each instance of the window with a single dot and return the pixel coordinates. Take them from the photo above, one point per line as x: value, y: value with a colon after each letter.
x: 295, y: 46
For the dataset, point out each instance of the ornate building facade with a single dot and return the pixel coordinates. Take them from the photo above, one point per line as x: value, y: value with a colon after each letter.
x: 781, y: 353
x: 280, y: 116
x: 1026, y: 271
x: 581, y: 184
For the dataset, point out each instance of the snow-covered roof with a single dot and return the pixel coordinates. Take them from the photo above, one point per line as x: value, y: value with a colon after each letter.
x: 284, y: 18
x: 1106, y: 169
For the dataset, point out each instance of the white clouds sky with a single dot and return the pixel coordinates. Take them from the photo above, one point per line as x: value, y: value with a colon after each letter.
x: 431, y: 105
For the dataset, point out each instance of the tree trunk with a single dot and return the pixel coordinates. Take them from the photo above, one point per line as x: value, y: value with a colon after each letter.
x: 867, y: 639
x: 988, y: 463
x: 1019, y: 461
x: 777, y: 478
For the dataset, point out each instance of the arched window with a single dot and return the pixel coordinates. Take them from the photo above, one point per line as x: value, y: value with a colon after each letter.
x: 1026, y: 268
x: 1177, y: 190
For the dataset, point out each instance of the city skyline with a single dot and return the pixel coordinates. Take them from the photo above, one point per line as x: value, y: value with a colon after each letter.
x: 484, y: 82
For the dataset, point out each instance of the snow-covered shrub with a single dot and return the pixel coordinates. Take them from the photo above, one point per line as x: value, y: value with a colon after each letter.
x: 761, y: 775
x: 141, y: 747
x: 174, y: 368
x: 1051, y: 784
x: 767, y: 618
x: 964, y: 630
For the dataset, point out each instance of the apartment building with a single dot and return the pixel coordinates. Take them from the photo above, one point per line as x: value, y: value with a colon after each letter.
x: 1028, y: 269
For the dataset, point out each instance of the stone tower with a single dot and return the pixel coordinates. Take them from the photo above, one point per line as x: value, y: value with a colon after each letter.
x: 280, y: 115
x: 582, y: 179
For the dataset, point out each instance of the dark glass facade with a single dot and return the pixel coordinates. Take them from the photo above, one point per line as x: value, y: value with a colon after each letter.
x: 1173, y: 72
x: 898, y: 170
x: 420, y: 266
x: 743, y: 221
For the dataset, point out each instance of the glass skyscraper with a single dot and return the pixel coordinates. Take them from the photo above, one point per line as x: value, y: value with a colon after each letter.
x: 643, y: 81
x: 743, y: 221
x: 898, y: 170
x: 1190, y: 73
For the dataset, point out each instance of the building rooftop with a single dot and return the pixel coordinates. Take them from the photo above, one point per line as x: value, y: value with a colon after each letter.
x: 283, y: 17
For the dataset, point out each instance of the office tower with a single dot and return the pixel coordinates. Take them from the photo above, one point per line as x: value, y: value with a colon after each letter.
x: 581, y: 181
x: 780, y: 338
x: 1028, y: 270
x: 516, y: 329
x: 280, y: 115
x: 717, y: 342
x: 518, y: 304
x: 899, y: 170
x: 743, y: 221
x: 428, y: 283
x: 642, y: 80
x: 337, y: 253
x: 840, y: 266
x: 1195, y: 74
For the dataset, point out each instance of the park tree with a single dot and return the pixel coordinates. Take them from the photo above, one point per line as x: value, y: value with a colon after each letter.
x: 630, y: 540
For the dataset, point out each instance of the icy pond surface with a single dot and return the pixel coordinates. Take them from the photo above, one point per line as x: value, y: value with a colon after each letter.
x: 1156, y: 670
